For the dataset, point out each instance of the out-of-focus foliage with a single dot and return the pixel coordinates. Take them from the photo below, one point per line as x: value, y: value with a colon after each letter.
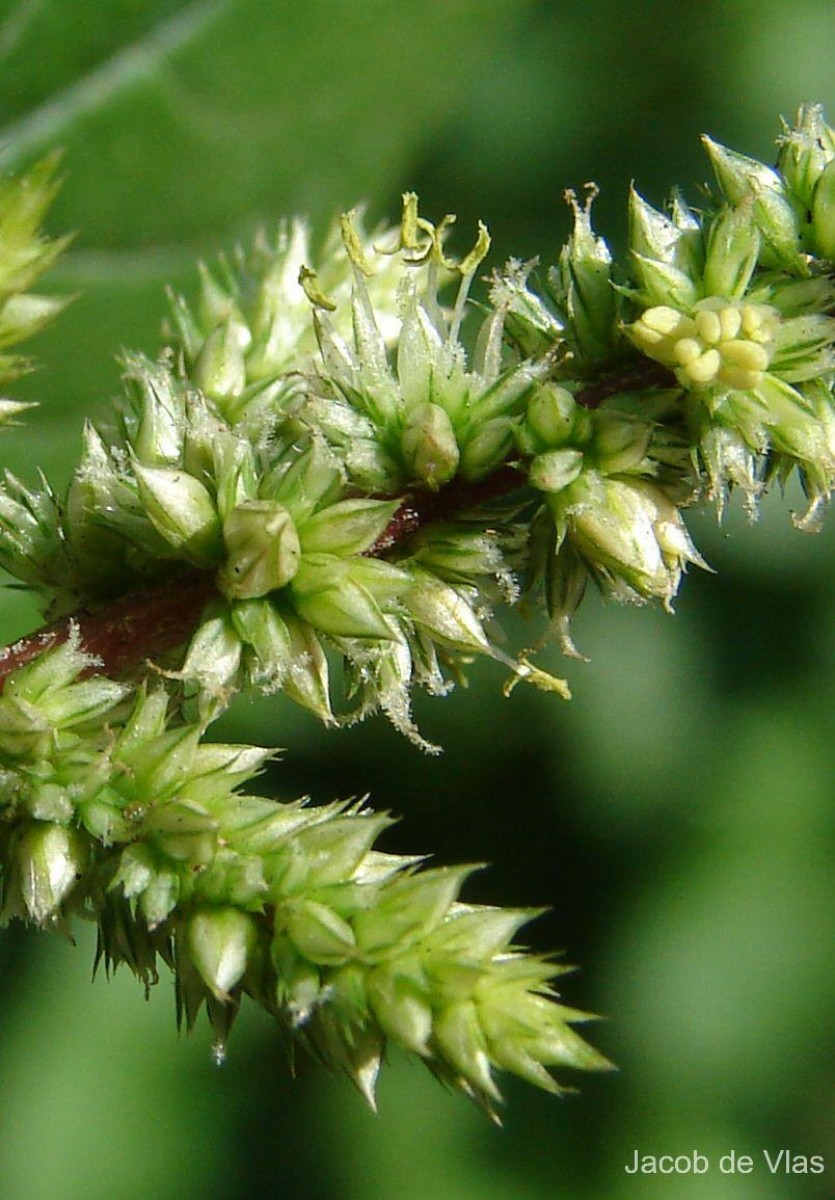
x: 678, y: 815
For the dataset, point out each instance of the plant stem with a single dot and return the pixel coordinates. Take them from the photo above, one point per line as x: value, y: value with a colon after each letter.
x: 138, y: 628
x: 126, y: 634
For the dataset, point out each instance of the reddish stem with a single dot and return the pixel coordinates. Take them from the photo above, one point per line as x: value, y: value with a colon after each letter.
x: 143, y: 626
x: 421, y: 508
x: 128, y: 632
x: 632, y: 377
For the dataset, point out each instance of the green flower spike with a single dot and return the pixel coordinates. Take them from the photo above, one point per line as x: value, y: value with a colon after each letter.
x: 318, y: 467
x: 141, y: 826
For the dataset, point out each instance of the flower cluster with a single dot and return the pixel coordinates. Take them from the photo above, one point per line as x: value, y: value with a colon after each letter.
x: 112, y: 809
x: 337, y: 467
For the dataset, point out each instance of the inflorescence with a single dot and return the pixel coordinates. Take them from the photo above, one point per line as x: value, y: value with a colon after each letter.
x: 324, y: 463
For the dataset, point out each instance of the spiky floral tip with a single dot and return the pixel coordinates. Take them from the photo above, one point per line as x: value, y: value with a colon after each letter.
x: 26, y: 254
x: 116, y: 813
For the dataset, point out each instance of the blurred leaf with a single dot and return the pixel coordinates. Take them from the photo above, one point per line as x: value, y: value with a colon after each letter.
x: 186, y: 124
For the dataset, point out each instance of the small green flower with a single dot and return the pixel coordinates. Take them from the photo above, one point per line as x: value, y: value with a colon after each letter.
x: 628, y: 533
x: 49, y: 861
x: 741, y: 319
x: 262, y: 549
x: 421, y: 415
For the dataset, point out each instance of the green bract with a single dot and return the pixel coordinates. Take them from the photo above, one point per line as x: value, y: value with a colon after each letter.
x: 326, y: 463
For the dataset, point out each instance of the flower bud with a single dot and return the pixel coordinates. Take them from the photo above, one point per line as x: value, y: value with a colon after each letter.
x: 183, y: 511
x: 445, y: 613
x: 823, y: 214
x: 214, y: 658
x: 307, y: 681
x: 732, y: 252
x: 458, y: 553
x: 328, y: 594
x: 585, y: 274
x: 619, y: 443
x: 312, y: 479
x: 160, y: 897
x: 220, y: 369
x: 410, y: 907
x: 50, y: 861
x: 631, y: 531
x: 667, y: 252
x: 550, y: 416
x: 805, y: 152
x: 371, y: 467
x: 745, y: 181
x: 263, y: 550
x: 220, y: 942
x: 260, y: 626
x: 532, y: 326
x: 459, y: 1035
x: 429, y: 445
x: 335, y: 849
x: 402, y: 1007
x: 487, y: 448
x: 348, y: 527
x: 215, y: 303
x: 24, y: 313
x: 556, y: 469
x: 317, y: 932
x: 298, y: 982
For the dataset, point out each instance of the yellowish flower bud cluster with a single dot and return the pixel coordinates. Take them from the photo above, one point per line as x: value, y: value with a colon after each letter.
x: 725, y: 344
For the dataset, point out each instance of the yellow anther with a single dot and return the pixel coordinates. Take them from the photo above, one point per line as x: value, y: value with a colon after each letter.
x: 309, y: 281
x: 730, y: 323
x: 687, y: 350
x: 663, y: 319
x: 739, y: 378
x: 705, y: 368
x: 724, y: 343
x: 417, y: 235
x: 708, y: 327
x: 471, y: 262
x: 750, y: 355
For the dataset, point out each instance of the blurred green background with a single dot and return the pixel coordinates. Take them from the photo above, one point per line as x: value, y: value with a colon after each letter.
x: 677, y: 815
